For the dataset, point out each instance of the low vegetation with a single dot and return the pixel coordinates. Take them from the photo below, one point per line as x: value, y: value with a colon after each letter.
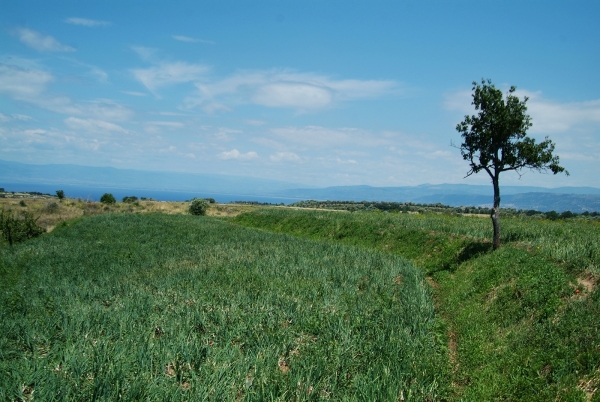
x: 172, y: 307
x: 120, y: 300
x: 523, y: 321
x: 198, y: 207
x: 50, y: 213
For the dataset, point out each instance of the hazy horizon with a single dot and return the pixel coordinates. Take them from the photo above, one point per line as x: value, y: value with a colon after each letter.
x: 322, y: 94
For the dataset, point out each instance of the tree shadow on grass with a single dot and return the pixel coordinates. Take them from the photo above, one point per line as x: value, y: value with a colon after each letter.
x: 473, y: 249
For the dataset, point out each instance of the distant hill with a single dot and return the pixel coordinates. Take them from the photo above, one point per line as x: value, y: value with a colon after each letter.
x: 574, y: 199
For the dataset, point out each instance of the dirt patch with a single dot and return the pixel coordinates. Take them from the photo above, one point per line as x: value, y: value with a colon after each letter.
x: 588, y: 283
x: 432, y: 283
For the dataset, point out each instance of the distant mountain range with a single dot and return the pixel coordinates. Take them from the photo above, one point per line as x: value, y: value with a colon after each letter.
x: 574, y: 199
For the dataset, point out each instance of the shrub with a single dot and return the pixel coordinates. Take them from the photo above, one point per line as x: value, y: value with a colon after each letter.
x: 107, y: 198
x: 130, y: 199
x: 60, y: 194
x: 50, y: 207
x: 22, y: 203
x: 18, y: 228
x: 198, y: 206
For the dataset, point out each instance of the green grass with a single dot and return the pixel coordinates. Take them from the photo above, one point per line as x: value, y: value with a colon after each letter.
x: 517, y: 329
x: 159, y: 307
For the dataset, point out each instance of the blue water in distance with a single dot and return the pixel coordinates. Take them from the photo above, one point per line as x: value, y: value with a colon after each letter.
x: 94, y: 193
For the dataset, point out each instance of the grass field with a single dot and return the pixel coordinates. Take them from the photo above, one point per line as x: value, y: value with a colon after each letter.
x: 52, y: 212
x: 175, y: 307
x: 523, y: 321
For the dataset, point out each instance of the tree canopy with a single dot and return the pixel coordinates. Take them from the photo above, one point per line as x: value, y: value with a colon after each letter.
x: 495, y: 140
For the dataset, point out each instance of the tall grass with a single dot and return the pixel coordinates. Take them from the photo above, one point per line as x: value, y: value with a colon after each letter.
x: 574, y: 243
x: 157, y: 307
x: 523, y: 321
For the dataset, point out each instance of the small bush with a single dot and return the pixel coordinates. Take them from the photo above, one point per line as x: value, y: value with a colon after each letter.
x: 91, y: 209
x: 50, y: 208
x: 107, y: 198
x: 18, y: 228
x: 130, y: 199
x: 22, y: 203
x: 198, y: 207
x: 60, y: 194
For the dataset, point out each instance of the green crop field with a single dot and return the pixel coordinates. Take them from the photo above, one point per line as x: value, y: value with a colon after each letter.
x: 523, y: 322
x: 278, y: 304
x: 176, y: 307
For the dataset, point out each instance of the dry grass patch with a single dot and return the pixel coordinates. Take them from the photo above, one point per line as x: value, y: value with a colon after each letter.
x: 52, y: 212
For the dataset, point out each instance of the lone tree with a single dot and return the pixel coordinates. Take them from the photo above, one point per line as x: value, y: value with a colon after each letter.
x: 60, y: 194
x: 495, y: 140
x: 107, y: 198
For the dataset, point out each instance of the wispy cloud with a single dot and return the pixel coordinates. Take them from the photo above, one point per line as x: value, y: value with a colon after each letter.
x: 23, y: 83
x: 547, y: 116
x: 40, y: 42
x: 316, y: 136
x: 93, y: 125
x: 188, y: 39
x: 86, y: 22
x: 287, y: 89
x: 284, y: 156
x: 169, y: 73
x: 156, y: 127
x: 145, y: 53
x: 14, y: 117
x: 254, y: 122
x: 134, y: 93
x: 29, y: 85
x: 235, y: 154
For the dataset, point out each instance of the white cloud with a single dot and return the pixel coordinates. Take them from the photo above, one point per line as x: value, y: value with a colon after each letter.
x: 92, y: 125
x: 293, y: 95
x: 287, y: 89
x: 145, y: 53
x: 22, y: 83
x: 348, y: 161
x: 86, y: 22
x: 182, y: 38
x: 316, y: 136
x: 19, y: 117
x: 235, y: 154
x: 172, y: 124
x: 313, y: 135
x: 169, y: 73
x: 155, y: 127
x: 134, y: 93
x: 212, y: 108
x: 254, y: 122
x: 30, y: 85
x: 40, y: 42
x: 284, y: 156
x: 547, y: 116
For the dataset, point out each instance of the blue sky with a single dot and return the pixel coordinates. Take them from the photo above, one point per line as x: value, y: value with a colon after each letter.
x: 313, y: 92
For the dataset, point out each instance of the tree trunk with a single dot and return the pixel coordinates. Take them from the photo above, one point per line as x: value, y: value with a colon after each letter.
x: 495, y: 213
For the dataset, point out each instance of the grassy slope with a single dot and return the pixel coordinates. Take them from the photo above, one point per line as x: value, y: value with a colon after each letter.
x: 518, y: 330
x: 157, y: 307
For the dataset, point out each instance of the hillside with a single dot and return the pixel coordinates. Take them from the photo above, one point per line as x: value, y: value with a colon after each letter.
x: 176, y: 307
x: 523, y: 322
